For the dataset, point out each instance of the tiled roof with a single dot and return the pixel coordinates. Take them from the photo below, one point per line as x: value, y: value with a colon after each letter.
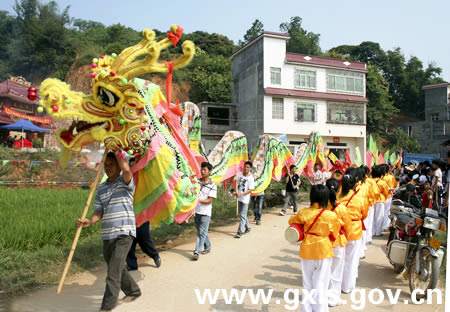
x: 315, y: 95
x: 324, y: 61
x: 436, y: 85
x: 276, y: 34
x: 15, y: 91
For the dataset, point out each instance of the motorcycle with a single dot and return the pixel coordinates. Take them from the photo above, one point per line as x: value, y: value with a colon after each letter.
x: 412, y: 247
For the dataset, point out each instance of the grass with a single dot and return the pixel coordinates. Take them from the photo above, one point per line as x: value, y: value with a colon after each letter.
x: 38, y: 227
x: 34, y: 218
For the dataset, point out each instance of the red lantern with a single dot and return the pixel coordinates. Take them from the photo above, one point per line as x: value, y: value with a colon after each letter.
x: 32, y: 96
x: 32, y: 93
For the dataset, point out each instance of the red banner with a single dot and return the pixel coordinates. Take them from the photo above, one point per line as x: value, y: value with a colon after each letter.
x: 12, y: 112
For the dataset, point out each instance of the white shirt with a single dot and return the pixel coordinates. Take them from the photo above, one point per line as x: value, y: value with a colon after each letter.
x: 245, y: 183
x: 437, y: 177
x: 318, y: 177
x: 207, y: 190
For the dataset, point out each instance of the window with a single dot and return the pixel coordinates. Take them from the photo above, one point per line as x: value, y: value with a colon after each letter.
x: 346, y: 113
x: 275, y: 75
x: 409, y: 131
x: 277, y: 108
x: 304, y: 79
x: 345, y: 81
x: 305, y: 112
x: 218, y: 116
x: 435, y: 116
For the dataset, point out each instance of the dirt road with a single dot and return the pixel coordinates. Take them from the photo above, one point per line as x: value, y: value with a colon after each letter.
x: 262, y: 259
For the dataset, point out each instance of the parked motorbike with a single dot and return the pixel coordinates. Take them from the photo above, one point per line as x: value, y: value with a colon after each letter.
x: 412, y: 247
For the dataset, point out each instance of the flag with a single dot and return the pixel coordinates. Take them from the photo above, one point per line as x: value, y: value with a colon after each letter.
x: 393, y: 158
x: 380, y: 159
x: 373, y: 148
x: 386, y: 157
x: 347, y: 157
x: 358, y: 160
x: 369, y: 157
x: 332, y: 157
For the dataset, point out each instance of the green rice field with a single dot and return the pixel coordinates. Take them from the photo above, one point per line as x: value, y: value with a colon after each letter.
x: 34, y: 218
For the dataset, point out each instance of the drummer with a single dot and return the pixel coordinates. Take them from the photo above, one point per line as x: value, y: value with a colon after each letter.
x: 316, y: 251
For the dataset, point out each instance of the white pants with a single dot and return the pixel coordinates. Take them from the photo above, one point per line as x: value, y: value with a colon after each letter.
x: 378, y: 221
x: 316, y: 279
x: 368, y: 223
x: 387, y: 212
x: 351, y: 265
x: 337, y: 271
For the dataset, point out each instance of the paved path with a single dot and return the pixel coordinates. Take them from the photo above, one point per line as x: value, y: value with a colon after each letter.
x: 262, y: 259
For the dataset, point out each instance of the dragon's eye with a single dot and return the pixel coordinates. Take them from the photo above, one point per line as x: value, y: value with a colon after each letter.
x: 107, y: 97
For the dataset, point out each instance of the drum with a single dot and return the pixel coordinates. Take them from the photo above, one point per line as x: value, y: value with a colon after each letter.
x: 294, y: 233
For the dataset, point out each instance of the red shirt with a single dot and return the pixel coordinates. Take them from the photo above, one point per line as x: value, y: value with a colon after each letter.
x: 427, y: 199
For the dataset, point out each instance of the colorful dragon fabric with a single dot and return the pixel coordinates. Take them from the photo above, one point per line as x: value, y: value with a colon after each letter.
x: 271, y: 160
x: 309, y: 155
x: 228, y: 156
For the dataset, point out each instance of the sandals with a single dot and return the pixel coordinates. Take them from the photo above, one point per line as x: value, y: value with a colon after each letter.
x: 206, y: 251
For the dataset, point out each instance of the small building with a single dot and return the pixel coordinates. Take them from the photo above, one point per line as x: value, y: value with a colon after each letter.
x: 435, y: 129
x: 15, y: 105
x: 217, y: 118
x: 279, y: 92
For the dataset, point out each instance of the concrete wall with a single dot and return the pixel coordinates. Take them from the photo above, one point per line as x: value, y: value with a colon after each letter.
x: 436, y: 102
x: 247, y: 91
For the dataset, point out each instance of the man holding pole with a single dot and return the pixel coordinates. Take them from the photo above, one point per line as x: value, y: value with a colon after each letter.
x: 114, y: 206
x: 292, y: 183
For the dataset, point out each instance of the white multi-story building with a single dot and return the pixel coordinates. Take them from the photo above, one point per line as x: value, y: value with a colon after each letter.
x: 279, y: 93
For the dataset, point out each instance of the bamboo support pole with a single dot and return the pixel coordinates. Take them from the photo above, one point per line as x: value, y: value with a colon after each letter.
x: 78, y: 232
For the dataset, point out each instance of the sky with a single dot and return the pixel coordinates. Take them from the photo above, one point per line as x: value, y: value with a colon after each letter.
x: 419, y: 28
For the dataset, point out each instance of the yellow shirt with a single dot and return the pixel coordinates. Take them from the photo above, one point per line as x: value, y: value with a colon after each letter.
x: 384, y: 190
x: 363, y: 190
x: 345, y: 223
x: 391, y: 182
x: 357, y: 212
x: 374, y: 191
x: 317, y: 244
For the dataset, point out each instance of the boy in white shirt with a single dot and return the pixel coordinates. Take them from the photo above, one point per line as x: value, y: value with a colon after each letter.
x: 245, y: 184
x: 208, y: 191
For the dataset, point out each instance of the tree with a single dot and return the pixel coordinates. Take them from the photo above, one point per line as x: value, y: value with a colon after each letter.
x: 367, y: 52
x: 209, y: 77
x: 399, y: 140
x: 380, y: 108
x: 210, y: 43
x: 254, y: 31
x: 40, y: 45
x: 301, y: 41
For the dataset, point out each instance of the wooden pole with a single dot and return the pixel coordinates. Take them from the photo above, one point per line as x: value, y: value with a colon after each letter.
x: 78, y: 232
x: 237, y: 207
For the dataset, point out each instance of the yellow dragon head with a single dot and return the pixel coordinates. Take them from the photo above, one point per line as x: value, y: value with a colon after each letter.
x: 115, y: 112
